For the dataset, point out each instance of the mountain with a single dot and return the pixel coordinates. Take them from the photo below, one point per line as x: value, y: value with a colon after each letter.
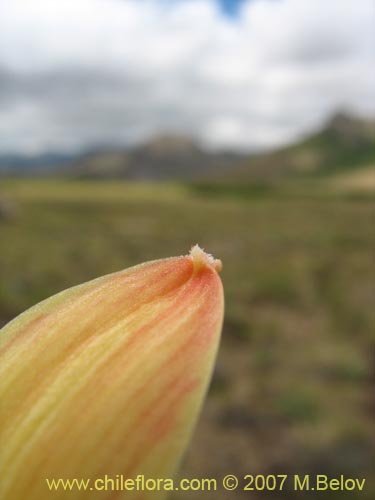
x: 345, y: 142
x: 163, y: 158
x: 40, y: 163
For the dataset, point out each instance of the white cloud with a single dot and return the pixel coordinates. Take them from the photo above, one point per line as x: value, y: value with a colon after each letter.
x: 74, y: 73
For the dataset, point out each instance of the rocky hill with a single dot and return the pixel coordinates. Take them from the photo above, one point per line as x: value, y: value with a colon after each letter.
x: 344, y: 143
x: 165, y: 157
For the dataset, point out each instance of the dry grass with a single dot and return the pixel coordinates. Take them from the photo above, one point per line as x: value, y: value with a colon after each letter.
x: 292, y: 391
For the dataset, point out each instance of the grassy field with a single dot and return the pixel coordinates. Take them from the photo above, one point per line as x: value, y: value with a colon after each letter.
x: 292, y: 391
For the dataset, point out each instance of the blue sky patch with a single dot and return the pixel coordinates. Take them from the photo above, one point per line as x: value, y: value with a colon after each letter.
x: 230, y: 7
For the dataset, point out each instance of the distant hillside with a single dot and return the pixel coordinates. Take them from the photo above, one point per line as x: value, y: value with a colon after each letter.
x: 344, y: 143
x: 163, y: 158
x: 30, y: 164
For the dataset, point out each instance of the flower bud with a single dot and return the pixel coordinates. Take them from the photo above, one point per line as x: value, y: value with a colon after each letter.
x: 107, y: 378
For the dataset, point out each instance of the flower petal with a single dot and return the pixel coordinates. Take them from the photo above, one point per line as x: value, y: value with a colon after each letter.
x: 107, y: 377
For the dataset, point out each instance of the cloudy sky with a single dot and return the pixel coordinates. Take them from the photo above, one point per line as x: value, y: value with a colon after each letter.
x: 247, y: 74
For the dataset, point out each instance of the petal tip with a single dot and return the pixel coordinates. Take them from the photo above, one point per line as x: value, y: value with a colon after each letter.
x: 202, y: 260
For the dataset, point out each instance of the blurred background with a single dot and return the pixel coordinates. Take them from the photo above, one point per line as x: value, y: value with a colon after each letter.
x: 132, y: 129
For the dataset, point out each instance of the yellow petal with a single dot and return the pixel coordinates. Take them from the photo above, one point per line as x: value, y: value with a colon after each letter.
x: 107, y: 378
